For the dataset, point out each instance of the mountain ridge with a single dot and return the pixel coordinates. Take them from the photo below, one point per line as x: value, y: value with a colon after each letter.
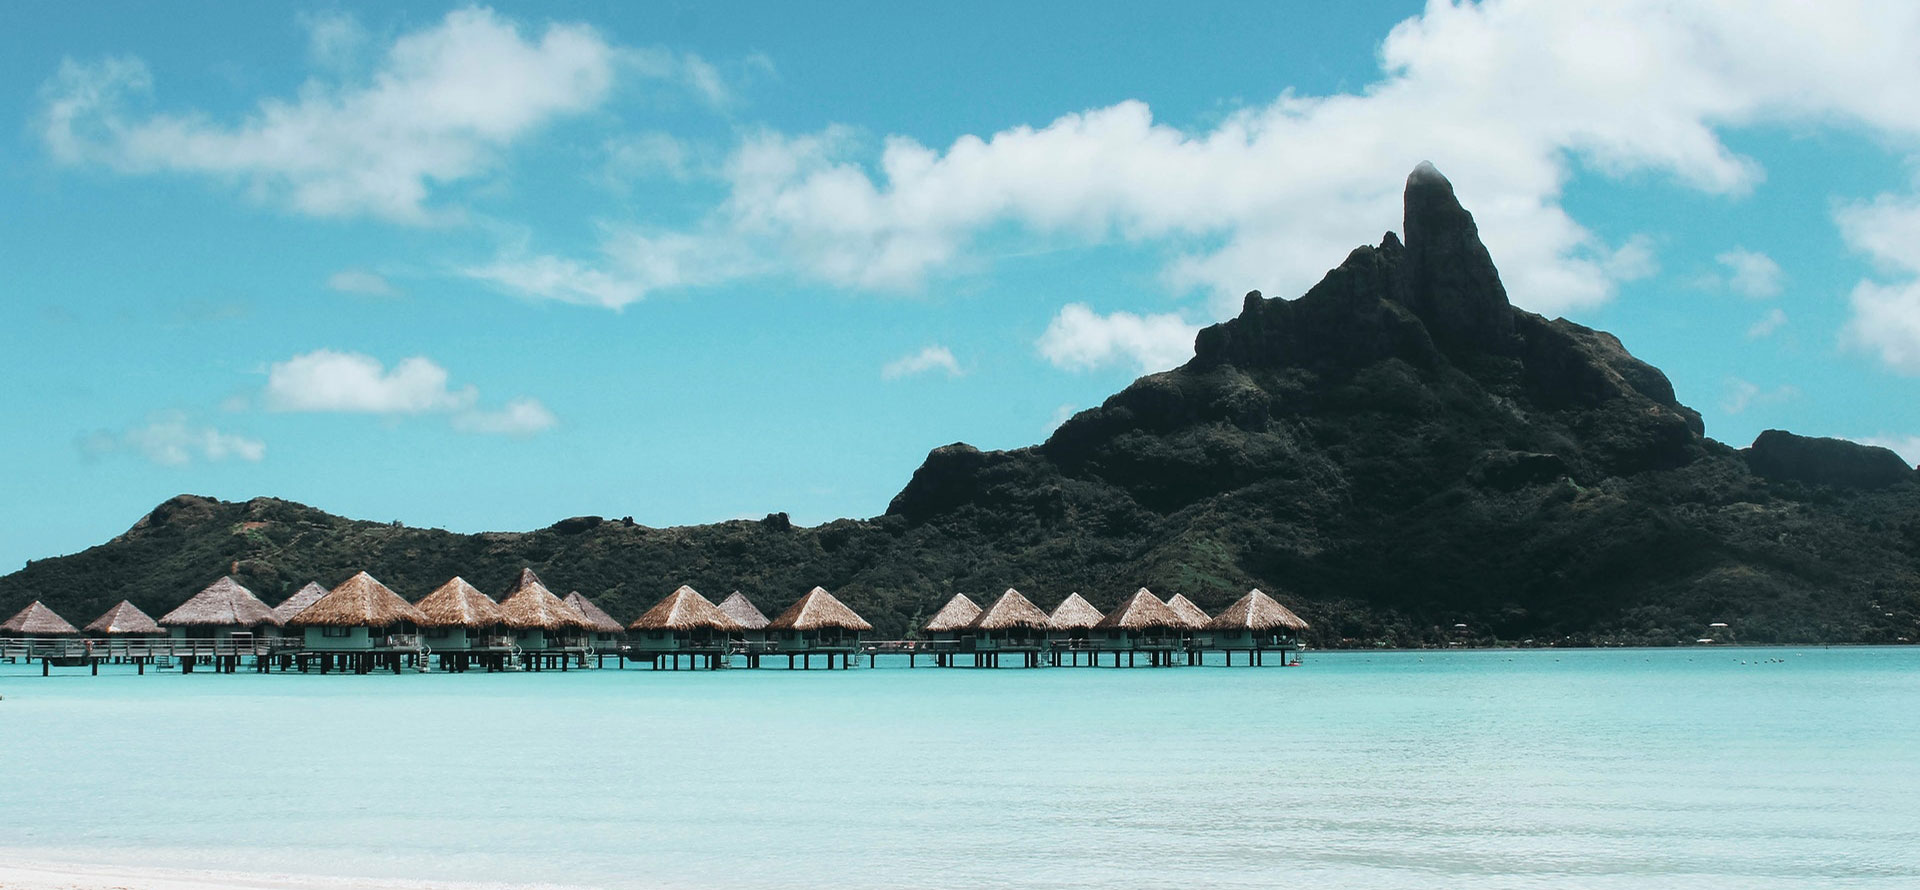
x: 1398, y: 451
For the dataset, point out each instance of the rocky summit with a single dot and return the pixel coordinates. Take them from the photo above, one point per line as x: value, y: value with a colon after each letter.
x: 1400, y: 454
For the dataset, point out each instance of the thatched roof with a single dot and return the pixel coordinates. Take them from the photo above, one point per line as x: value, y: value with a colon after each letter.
x: 224, y: 603
x: 299, y: 601
x: 532, y: 605
x: 818, y: 610
x: 598, y: 617
x: 1074, y: 613
x: 36, y: 620
x: 1011, y: 610
x: 1140, y: 611
x: 685, y: 609
x: 458, y: 604
x: 956, y: 614
x: 124, y: 618
x: 359, y: 601
x: 1257, y: 611
x: 742, y: 610
x: 1191, y: 616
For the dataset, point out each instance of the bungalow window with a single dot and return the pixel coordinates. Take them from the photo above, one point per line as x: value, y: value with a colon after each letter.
x: 438, y: 633
x: 336, y: 631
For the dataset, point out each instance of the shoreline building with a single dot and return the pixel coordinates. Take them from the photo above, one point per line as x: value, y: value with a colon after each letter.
x: 684, y: 623
x: 946, y: 629
x: 1141, y: 623
x: 1193, y: 621
x: 1068, y: 628
x: 548, y: 632
x: 604, y: 633
x: 223, y: 621
x: 360, y: 625
x: 1257, y: 623
x: 1012, y: 624
x: 463, y: 625
x: 817, y: 623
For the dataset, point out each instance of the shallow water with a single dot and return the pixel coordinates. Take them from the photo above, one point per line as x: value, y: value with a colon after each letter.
x: 1620, y: 768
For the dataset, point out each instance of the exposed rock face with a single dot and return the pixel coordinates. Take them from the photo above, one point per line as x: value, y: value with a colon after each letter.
x: 1781, y: 455
x: 1396, y: 451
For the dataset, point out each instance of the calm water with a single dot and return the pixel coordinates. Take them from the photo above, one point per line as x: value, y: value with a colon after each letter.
x: 1637, y: 768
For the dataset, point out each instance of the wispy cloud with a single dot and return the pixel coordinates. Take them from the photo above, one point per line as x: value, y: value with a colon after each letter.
x: 172, y: 439
x: 1750, y: 273
x: 1744, y: 394
x: 441, y: 105
x: 1767, y: 324
x: 932, y: 358
x: 361, y: 282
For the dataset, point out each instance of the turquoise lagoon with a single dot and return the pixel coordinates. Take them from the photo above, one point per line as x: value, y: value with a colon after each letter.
x: 1616, y: 768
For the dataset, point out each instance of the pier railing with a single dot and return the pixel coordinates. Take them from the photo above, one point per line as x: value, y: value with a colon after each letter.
x: 142, y: 647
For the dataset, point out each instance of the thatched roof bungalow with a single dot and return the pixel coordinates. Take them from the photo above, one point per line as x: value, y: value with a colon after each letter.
x: 753, y: 624
x: 605, y: 632
x: 457, y: 617
x: 360, y: 614
x: 36, y: 620
x: 818, y: 622
x: 1191, y: 616
x: 539, y: 619
x: 946, y: 624
x: 1013, y: 621
x: 1256, y: 622
x: 299, y: 601
x: 1072, y: 618
x: 219, y: 611
x: 684, y: 621
x: 1140, y: 621
x: 124, y: 620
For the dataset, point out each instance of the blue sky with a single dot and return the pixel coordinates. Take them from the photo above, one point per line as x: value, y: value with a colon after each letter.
x: 487, y: 267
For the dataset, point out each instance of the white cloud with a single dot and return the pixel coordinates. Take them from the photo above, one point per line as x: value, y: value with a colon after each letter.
x: 1885, y: 318
x: 1751, y: 273
x: 363, y: 282
x: 334, y: 38
x: 171, y: 439
x: 929, y: 359
x: 632, y: 264
x: 1509, y: 98
x: 325, y: 381
x: 520, y: 417
x: 1080, y: 339
x: 1768, y: 323
x: 440, y: 107
x: 1743, y: 394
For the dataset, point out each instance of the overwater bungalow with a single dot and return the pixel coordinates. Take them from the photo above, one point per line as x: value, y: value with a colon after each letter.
x: 464, y: 627
x: 360, y: 625
x: 945, y: 629
x: 1193, y: 625
x: 547, y: 631
x: 604, y: 634
x: 753, y: 624
x: 1256, y: 623
x: 1012, y: 624
x: 298, y: 602
x: 817, y: 623
x: 1068, y: 627
x: 225, y: 619
x: 124, y: 620
x: 1141, y: 623
x: 684, y: 623
x: 28, y: 634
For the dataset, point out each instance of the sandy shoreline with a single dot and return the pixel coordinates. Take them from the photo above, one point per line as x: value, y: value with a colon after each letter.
x: 19, y: 875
